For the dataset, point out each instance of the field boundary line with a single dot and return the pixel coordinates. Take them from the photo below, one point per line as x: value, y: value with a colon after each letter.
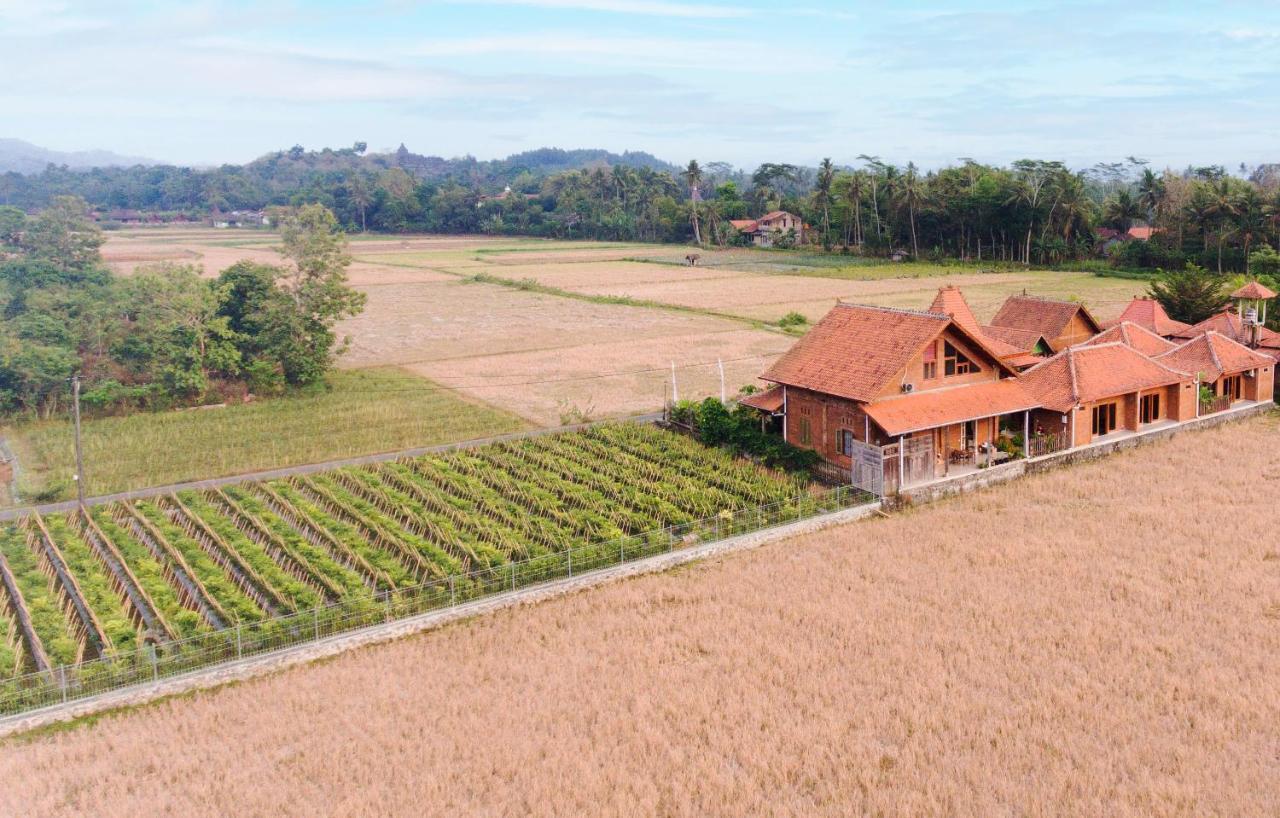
x: 311, y: 468
x: 295, y: 655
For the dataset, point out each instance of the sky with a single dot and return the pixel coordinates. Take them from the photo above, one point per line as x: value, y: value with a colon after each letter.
x: 742, y: 81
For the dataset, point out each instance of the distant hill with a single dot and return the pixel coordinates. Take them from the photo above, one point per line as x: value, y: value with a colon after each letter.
x: 23, y: 157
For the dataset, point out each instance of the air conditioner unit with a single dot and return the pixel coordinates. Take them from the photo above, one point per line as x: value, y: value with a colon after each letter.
x: 908, y: 387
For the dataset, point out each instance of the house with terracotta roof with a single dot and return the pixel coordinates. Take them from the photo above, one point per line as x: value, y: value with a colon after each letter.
x: 1149, y: 314
x: 1059, y: 323
x: 1135, y: 336
x: 1226, y: 371
x: 1018, y: 348
x: 1242, y: 323
x: 1094, y: 391
x: 920, y: 390
x: 765, y: 231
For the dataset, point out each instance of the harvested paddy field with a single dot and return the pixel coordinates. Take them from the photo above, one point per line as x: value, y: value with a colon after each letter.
x: 1085, y: 642
x: 547, y: 356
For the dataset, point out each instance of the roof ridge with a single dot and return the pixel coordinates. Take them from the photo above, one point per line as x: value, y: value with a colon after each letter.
x: 900, y: 310
x: 1071, y: 370
x: 1213, y: 353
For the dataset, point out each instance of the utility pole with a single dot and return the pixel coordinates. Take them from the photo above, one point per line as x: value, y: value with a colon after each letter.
x: 75, y: 400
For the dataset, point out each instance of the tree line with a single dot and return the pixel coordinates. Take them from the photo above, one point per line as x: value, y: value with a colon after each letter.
x: 1030, y: 212
x: 164, y: 336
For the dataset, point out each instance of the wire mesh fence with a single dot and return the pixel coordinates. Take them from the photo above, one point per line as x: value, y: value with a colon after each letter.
x: 154, y: 662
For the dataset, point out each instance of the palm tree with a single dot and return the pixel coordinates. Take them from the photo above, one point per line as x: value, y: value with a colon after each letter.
x: 822, y: 195
x: 1250, y: 217
x: 1221, y: 210
x: 911, y: 193
x: 1121, y: 211
x: 693, y: 178
x: 852, y: 187
x: 1151, y: 195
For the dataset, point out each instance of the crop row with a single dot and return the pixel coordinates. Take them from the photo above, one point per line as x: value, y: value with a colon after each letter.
x: 129, y: 574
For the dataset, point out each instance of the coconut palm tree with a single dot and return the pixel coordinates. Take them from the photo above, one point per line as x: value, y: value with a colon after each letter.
x: 693, y: 178
x: 1151, y: 195
x: 822, y: 195
x: 911, y: 192
x: 1121, y: 211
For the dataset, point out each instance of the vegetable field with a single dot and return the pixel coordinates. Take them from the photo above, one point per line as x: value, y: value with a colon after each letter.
x: 161, y: 572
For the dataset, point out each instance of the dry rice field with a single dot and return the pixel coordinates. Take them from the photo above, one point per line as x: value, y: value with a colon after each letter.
x: 1099, y: 640
x: 547, y: 357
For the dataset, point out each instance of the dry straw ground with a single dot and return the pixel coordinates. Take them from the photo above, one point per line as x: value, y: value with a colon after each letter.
x: 1099, y: 640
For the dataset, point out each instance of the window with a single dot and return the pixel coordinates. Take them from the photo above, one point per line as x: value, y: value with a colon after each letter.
x: 1150, y: 408
x: 931, y: 361
x: 806, y: 431
x: 844, y: 442
x: 954, y: 361
x: 1104, y: 419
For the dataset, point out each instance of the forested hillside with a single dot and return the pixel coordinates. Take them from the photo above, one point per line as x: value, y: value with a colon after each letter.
x: 1033, y: 211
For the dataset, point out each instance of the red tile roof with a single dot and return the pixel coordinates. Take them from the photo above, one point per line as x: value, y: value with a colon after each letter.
x: 1212, y: 355
x: 744, y: 225
x: 1084, y: 374
x: 1134, y: 335
x: 1149, y: 314
x: 1046, y: 316
x: 1142, y: 233
x: 855, y: 351
x: 1253, y: 290
x: 768, y: 400
x: 950, y: 301
x: 1229, y: 324
x: 1024, y: 339
x: 942, y: 407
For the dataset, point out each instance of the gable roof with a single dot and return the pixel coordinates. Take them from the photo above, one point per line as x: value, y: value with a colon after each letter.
x: 1253, y: 290
x: 768, y: 400
x: 776, y: 214
x: 1024, y: 339
x: 951, y: 301
x: 1088, y: 373
x: 1047, y: 316
x: 1134, y: 335
x: 1149, y: 314
x: 1231, y: 325
x: 942, y: 407
x: 855, y: 351
x: 1213, y: 355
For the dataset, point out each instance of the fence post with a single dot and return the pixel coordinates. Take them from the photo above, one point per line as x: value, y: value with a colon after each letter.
x: 62, y: 673
x: 315, y: 619
x: 569, y: 553
x: 239, y: 648
x: 453, y: 597
x: 155, y: 663
x: 513, y: 575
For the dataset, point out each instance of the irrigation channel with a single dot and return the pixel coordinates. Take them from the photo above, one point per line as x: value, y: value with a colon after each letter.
x: 136, y: 591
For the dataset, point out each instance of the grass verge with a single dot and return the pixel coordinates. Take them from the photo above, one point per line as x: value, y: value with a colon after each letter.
x: 361, y: 412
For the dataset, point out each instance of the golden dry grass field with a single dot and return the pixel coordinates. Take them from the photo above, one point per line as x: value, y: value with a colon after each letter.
x: 1103, y: 639
x: 550, y: 356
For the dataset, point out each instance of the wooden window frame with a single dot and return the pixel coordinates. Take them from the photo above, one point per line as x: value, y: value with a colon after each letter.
x: 1107, y: 413
x: 955, y: 362
x: 1149, y: 408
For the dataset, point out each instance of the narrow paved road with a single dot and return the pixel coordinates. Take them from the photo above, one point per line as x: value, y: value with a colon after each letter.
x: 310, y: 468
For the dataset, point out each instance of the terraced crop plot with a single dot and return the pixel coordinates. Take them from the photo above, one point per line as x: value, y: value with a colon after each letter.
x: 198, y: 562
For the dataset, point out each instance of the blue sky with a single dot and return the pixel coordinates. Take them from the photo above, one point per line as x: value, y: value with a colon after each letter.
x: 741, y: 81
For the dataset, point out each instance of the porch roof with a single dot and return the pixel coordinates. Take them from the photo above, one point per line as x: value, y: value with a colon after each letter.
x: 770, y: 400
x: 943, y: 407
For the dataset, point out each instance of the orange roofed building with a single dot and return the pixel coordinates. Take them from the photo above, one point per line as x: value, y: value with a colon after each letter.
x: 880, y: 376
x: 1094, y: 390
x: 1150, y: 315
x: 1059, y: 323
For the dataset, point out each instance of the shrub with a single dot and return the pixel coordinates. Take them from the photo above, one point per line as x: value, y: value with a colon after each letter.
x: 792, y: 319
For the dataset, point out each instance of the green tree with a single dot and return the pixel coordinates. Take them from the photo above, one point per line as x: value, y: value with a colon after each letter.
x: 1190, y: 295
x: 12, y: 222
x: 63, y: 235
x: 822, y: 197
x: 693, y: 178
x: 316, y: 285
x: 1121, y: 211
